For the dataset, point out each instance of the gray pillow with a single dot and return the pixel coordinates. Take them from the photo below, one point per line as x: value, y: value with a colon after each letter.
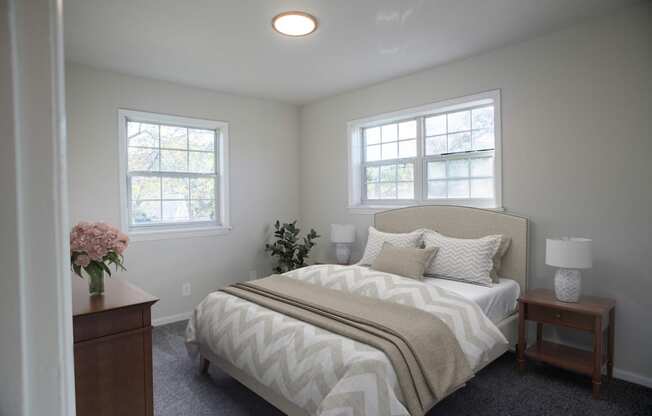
x: 407, y: 262
x: 377, y: 238
x: 505, y: 242
x: 465, y: 259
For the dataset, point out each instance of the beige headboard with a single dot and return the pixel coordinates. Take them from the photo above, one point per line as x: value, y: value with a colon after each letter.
x: 465, y: 222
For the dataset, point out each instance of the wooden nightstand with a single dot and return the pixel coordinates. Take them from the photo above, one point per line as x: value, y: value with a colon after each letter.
x: 591, y: 314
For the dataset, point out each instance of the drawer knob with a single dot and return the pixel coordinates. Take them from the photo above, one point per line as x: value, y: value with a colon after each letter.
x: 558, y: 315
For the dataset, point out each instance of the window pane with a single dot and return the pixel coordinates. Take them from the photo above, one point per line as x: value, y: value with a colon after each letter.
x: 482, y: 166
x: 202, y: 188
x: 373, y: 153
x: 203, y: 210
x: 482, y: 188
x: 373, y: 191
x: 459, y: 121
x: 458, y: 168
x: 175, y: 188
x: 436, y: 125
x: 388, y: 173
x: 406, y: 172
x: 483, y: 118
x: 174, y: 137
x: 436, y: 170
x: 459, y: 142
x: 142, y: 134
x: 389, y: 133
x: 144, y: 187
x: 372, y: 135
x: 146, y: 212
x: 406, y: 190
x: 373, y: 173
x: 390, y: 151
x: 435, y: 145
x: 436, y: 189
x: 202, y: 162
x: 483, y: 139
x: 174, y: 161
x: 201, y: 139
x: 143, y: 159
x: 175, y: 211
x: 458, y: 189
x: 407, y: 148
x: 407, y: 130
x: 388, y: 191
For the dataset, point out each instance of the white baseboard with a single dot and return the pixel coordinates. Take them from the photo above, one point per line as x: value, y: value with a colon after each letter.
x: 172, y: 318
x: 633, y: 377
x: 618, y: 373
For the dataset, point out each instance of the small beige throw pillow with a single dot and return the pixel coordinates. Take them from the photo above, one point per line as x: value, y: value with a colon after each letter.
x: 407, y: 262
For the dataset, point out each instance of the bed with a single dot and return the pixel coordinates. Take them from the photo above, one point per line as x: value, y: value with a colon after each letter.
x: 303, y: 369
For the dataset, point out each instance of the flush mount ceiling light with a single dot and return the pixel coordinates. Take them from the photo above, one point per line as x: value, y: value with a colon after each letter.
x: 294, y: 23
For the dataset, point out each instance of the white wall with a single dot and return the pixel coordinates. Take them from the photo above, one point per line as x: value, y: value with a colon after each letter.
x: 577, y: 144
x: 264, y: 185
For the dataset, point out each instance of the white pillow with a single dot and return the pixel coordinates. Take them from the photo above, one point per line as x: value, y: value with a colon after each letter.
x: 465, y: 259
x: 378, y: 238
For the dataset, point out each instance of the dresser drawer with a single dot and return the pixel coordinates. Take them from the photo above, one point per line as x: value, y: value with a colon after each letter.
x: 560, y: 317
x: 108, y: 323
x: 111, y: 375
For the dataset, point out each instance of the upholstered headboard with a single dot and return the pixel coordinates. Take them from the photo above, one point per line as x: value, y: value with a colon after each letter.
x: 465, y: 222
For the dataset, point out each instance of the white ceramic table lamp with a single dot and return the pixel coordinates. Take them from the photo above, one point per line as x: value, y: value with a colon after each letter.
x: 569, y: 254
x: 343, y: 235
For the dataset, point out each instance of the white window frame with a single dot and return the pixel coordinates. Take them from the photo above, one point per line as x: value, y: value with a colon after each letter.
x: 355, y: 143
x: 221, y: 225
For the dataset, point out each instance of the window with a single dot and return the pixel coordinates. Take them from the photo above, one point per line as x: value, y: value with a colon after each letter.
x: 443, y: 153
x: 173, y: 173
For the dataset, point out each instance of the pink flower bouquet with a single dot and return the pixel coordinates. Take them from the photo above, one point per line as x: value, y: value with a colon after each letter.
x: 93, y: 247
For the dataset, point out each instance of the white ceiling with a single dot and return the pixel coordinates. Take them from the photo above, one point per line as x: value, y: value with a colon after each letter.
x: 229, y: 45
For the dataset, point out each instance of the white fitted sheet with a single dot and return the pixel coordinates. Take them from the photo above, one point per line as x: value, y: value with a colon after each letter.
x: 497, y: 302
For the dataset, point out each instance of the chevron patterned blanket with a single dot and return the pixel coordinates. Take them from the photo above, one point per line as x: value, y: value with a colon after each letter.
x: 323, y: 372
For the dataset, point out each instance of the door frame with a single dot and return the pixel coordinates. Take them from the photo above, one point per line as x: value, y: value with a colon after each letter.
x: 43, y: 357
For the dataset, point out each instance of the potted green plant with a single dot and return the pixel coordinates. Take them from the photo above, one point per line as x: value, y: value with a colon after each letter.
x: 290, y: 250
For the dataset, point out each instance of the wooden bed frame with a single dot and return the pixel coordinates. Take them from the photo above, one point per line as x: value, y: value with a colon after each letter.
x: 454, y: 221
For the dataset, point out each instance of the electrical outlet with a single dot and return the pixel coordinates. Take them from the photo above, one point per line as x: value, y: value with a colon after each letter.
x: 186, y: 289
x: 253, y: 275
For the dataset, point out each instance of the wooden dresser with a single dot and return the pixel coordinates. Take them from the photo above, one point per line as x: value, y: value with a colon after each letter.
x: 113, y: 349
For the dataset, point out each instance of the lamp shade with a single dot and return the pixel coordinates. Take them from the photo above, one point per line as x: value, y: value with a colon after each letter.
x: 569, y: 253
x: 342, y: 233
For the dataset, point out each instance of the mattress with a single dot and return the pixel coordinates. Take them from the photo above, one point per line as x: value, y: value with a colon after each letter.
x: 497, y: 302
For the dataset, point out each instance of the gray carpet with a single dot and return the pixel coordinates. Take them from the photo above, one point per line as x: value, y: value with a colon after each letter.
x: 499, y: 389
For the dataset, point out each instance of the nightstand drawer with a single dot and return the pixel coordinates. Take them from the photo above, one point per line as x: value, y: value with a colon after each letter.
x: 560, y: 317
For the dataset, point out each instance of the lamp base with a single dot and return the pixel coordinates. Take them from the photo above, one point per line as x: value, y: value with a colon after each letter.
x: 568, y: 285
x: 342, y: 253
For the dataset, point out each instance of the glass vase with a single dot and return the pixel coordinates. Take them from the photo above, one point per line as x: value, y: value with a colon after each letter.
x: 96, y: 282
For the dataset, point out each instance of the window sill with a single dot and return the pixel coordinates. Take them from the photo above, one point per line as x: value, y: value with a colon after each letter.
x: 177, y: 233
x: 374, y: 209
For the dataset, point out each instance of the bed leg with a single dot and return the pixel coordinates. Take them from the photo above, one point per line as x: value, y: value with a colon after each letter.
x: 203, y: 365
